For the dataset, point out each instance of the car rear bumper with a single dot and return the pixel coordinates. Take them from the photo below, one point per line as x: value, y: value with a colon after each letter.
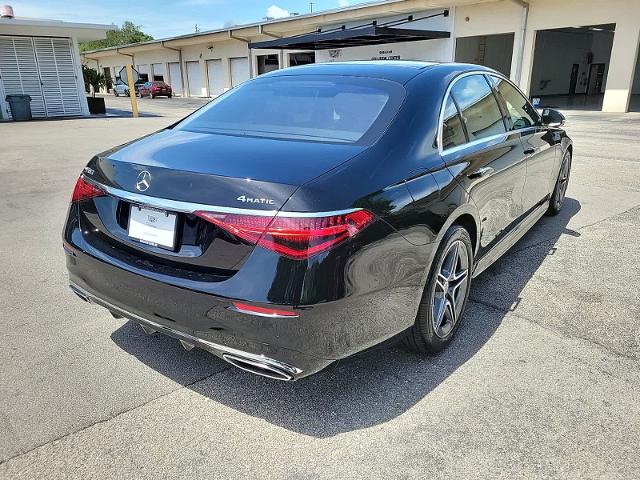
x: 258, y: 364
x: 365, y: 299
x: 196, y: 318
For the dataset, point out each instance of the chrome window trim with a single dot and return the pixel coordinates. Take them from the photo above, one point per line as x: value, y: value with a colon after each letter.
x: 487, y: 140
x: 191, y: 207
x: 442, y: 151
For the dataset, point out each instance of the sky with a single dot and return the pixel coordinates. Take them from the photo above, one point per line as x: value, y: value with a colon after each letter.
x: 165, y: 18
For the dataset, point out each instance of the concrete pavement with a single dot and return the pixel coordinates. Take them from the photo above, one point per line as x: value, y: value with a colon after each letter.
x: 541, y: 382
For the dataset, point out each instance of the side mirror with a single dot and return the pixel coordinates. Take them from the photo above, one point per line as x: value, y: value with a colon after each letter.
x: 552, y: 118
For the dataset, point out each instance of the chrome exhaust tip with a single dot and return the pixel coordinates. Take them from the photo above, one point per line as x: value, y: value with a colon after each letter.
x: 258, y: 367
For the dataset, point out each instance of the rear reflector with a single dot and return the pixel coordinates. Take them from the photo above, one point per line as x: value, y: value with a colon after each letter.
x: 84, y: 190
x: 293, y: 237
x: 261, y: 311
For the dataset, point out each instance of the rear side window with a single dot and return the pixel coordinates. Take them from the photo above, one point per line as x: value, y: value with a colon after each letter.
x: 478, y: 107
x: 312, y: 108
x: 452, y: 129
x: 522, y: 114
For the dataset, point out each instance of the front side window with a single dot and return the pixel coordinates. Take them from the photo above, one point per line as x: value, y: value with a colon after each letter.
x: 478, y: 107
x: 452, y: 129
x: 310, y: 108
x: 522, y: 114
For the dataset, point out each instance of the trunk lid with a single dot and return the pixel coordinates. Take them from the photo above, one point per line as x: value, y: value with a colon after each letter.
x: 172, y: 170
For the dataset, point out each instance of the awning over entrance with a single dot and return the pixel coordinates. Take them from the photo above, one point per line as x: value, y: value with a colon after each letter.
x: 350, y: 37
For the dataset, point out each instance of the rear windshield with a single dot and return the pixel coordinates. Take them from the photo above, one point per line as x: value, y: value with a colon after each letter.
x: 160, y: 84
x: 316, y: 108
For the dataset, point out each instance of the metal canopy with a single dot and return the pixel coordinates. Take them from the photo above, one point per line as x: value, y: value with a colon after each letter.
x: 354, y: 37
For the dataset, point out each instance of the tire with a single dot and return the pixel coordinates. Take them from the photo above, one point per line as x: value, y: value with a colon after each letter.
x: 169, y: 96
x: 425, y: 336
x: 126, y: 92
x: 560, y: 188
x: 115, y: 92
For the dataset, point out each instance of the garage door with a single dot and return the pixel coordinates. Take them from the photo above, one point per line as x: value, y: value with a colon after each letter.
x: 158, y: 71
x: 175, y: 78
x: 215, y: 74
x: 19, y: 73
x: 194, y: 77
x: 44, y: 69
x: 239, y: 70
x: 58, y: 76
x: 143, y: 70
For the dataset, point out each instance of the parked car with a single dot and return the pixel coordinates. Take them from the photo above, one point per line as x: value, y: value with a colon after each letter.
x: 155, y: 89
x: 313, y: 212
x: 120, y: 88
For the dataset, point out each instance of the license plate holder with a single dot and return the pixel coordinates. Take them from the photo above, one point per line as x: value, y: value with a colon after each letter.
x: 152, y: 226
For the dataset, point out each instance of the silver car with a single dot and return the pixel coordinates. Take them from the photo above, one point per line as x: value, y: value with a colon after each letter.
x: 120, y: 88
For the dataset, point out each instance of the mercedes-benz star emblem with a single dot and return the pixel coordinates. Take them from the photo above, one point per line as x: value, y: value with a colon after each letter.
x: 144, y: 181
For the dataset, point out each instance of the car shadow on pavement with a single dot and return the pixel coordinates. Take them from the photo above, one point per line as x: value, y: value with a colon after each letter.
x: 370, y: 388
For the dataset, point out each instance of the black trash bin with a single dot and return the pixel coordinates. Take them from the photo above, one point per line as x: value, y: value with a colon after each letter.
x: 20, y: 106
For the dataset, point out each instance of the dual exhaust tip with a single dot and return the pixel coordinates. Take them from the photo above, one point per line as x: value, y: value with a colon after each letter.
x: 258, y: 366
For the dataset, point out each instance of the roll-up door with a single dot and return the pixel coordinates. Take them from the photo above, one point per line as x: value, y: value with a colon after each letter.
x: 216, y: 77
x: 158, y: 71
x: 194, y: 77
x: 239, y: 70
x: 175, y: 78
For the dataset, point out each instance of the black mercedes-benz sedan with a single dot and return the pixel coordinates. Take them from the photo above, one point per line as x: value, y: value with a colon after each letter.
x: 316, y: 211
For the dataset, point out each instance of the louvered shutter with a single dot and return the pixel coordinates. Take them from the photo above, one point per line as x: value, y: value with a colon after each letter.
x: 19, y: 71
x: 58, y: 75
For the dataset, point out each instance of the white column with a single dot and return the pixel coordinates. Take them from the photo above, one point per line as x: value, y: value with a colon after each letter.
x: 622, y: 66
x: 527, y: 60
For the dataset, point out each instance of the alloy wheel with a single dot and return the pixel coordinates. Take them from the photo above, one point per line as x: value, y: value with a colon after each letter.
x: 563, y: 181
x: 449, y: 294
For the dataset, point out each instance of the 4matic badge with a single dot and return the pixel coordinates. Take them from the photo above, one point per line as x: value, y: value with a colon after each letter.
x: 263, y: 201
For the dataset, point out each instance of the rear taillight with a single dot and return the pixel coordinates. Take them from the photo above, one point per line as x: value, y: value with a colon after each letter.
x: 84, y: 190
x: 292, y: 236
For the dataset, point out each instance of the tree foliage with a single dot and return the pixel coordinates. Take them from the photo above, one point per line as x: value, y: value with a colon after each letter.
x: 128, y: 33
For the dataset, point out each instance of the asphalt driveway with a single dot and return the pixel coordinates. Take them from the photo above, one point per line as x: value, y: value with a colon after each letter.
x: 543, y: 380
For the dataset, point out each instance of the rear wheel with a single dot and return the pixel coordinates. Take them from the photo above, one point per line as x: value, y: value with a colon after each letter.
x: 445, y: 295
x: 560, y: 189
x: 115, y: 92
x: 169, y: 96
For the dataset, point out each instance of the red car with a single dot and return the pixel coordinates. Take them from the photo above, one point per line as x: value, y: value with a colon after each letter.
x: 154, y: 89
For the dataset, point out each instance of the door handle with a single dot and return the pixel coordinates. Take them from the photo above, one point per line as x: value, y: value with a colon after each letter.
x: 481, y: 172
x: 530, y: 151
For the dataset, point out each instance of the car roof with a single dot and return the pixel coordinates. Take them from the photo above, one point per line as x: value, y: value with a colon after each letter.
x: 400, y: 71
